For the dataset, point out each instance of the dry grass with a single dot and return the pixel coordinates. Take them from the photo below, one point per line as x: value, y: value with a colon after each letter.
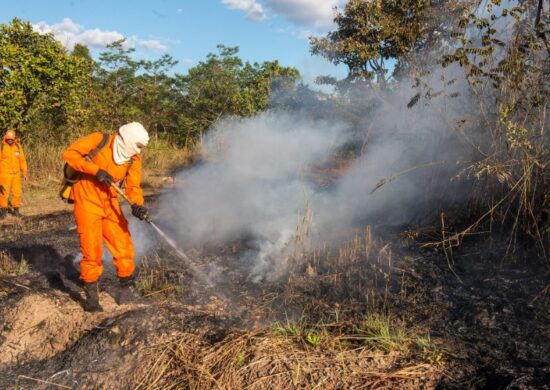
x: 358, y: 275
x: 284, y: 357
x: 10, y: 267
x: 161, y: 160
x: 154, y: 280
x: 342, y: 338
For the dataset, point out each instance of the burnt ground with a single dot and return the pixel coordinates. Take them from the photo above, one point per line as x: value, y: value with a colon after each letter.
x: 492, y: 313
x: 489, y: 315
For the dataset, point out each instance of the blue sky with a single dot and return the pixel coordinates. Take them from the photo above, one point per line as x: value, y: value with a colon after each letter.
x: 189, y: 29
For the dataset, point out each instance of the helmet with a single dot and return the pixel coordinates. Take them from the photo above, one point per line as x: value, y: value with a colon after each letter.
x: 10, y: 134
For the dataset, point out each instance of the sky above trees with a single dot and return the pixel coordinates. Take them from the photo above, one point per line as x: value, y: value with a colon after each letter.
x: 188, y: 29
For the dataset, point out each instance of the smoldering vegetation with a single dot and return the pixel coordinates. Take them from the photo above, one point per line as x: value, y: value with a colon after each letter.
x: 263, y: 178
x: 456, y: 142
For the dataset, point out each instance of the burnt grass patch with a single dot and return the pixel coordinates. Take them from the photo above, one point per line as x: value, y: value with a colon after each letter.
x: 374, y: 312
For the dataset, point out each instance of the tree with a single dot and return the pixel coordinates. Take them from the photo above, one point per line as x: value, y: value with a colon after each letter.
x: 37, y: 75
x: 373, y: 37
x: 155, y: 95
x: 115, y: 85
x: 224, y: 85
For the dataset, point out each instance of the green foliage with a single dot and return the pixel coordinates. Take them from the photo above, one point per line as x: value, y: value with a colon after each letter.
x: 288, y: 329
x: 223, y: 85
x: 379, y: 332
x: 313, y: 338
x: 51, y: 95
x: 369, y: 33
x: 429, y: 350
x: 38, y: 78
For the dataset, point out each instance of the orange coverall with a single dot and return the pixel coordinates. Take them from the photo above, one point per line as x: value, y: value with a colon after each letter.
x: 12, y: 165
x: 97, y: 210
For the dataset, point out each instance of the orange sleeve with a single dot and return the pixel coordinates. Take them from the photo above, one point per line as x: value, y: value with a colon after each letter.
x: 22, y: 161
x: 133, y: 182
x: 75, y: 154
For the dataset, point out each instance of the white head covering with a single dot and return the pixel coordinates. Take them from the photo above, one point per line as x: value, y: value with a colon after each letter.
x: 126, y: 141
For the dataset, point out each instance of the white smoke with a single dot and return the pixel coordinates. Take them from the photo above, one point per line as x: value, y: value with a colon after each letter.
x: 257, y: 180
x: 253, y: 183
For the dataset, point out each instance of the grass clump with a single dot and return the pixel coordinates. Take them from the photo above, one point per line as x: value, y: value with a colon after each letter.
x: 296, y: 355
x: 429, y: 350
x: 156, y: 280
x: 378, y: 332
x: 11, y: 267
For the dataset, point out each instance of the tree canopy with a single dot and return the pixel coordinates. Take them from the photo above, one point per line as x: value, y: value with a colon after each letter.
x: 38, y: 77
x: 49, y: 92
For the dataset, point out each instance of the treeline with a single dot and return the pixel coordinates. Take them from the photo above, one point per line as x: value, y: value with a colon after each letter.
x: 49, y: 94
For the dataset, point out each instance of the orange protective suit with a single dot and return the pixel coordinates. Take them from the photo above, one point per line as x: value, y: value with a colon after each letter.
x: 96, y: 207
x: 12, y: 165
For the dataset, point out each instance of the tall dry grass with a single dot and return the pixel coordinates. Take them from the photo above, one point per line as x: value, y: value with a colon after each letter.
x: 161, y: 160
x: 509, y: 81
x: 344, y: 335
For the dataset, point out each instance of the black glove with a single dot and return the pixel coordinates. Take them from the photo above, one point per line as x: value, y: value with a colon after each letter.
x: 104, y: 177
x: 140, y: 212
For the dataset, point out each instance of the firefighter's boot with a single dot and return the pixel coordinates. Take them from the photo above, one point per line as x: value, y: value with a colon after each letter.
x: 126, y: 291
x: 92, y: 298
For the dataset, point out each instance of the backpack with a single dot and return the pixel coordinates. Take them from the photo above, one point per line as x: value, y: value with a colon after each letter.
x: 71, y: 176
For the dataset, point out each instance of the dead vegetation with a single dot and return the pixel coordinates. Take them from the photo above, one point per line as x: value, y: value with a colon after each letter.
x: 334, y: 330
x: 10, y: 267
x: 154, y: 279
x: 365, y: 313
x: 334, y: 355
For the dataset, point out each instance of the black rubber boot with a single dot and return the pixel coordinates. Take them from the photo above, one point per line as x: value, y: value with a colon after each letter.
x: 3, y: 213
x: 126, y: 291
x: 15, y: 212
x: 92, y: 298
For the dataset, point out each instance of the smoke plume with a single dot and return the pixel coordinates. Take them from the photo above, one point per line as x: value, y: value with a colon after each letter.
x: 259, y: 177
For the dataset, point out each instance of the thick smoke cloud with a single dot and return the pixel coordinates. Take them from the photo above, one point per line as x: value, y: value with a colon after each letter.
x: 258, y: 178
x: 253, y: 184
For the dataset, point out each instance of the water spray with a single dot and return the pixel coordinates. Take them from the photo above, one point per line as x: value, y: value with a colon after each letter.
x: 181, y: 254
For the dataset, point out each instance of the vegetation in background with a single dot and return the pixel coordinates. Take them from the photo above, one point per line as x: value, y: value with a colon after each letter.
x: 502, y: 50
x: 379, y: 40
x: 51, y: 96
x: 41, y: 84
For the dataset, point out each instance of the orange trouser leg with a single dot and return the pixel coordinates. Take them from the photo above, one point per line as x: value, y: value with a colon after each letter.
x: 118, y: 239
x: 5, y: 181
x: 16, y: 191
x: 89, y: 227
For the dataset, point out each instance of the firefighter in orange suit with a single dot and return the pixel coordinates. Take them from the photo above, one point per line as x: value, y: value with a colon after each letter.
x: 96, y: 207
x: 12, y: 166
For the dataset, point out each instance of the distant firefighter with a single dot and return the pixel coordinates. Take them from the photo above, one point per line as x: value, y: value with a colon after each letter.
x: 100, y: 160
x: 12, y: 166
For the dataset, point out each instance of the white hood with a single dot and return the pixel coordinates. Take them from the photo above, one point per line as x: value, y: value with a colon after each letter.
x: 126, y: 141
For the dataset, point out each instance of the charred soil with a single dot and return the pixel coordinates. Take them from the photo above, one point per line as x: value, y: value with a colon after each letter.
x: 473, y: 321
